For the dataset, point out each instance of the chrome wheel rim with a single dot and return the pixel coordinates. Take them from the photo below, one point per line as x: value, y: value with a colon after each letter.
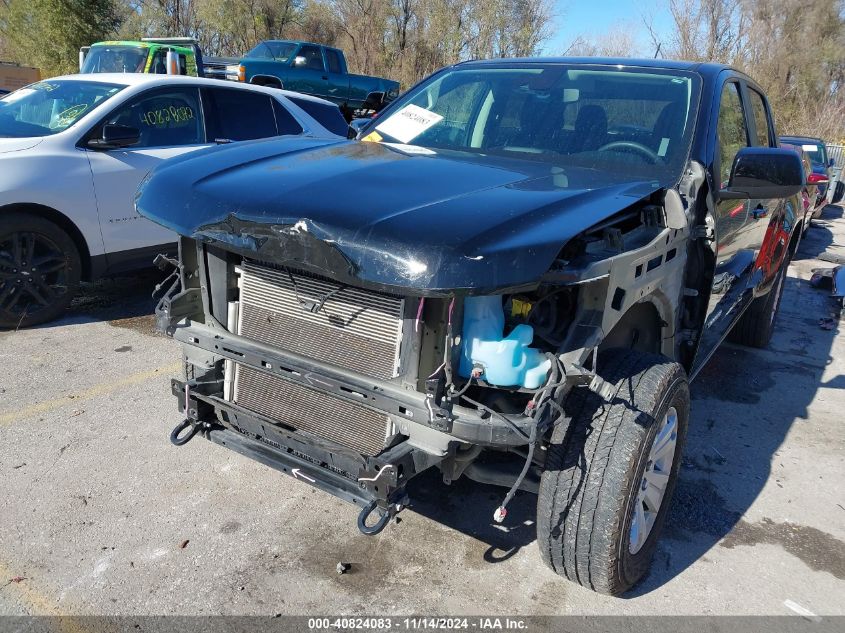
x: 651, y: 488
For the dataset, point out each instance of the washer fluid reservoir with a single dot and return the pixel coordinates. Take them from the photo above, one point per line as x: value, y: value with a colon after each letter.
x: 507, y: 360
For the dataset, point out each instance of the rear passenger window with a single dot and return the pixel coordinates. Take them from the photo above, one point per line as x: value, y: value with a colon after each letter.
x: 761, y: 120
x: 732, y: 131
x: 333, y: 61
x: 326, y: 114
x: 240, y: 115
x: 285, y: 121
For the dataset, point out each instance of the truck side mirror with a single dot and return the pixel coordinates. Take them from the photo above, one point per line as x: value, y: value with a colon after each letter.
x: 172, y: 63
x: 116, y: 137
x: 764, y: 172
x: 299, y: 60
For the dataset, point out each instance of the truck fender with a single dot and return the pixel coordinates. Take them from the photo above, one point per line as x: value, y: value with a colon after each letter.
x: 267, y: 80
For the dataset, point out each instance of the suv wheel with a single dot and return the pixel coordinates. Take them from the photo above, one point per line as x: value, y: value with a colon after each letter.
x: 756, y: 325
x: 611, y: 471
x: 39, y: 270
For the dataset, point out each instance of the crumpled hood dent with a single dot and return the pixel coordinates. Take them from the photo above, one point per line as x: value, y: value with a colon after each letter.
x: 369, y: 214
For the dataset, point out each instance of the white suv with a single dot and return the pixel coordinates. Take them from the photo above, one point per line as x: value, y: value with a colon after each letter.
x: 74, y: 149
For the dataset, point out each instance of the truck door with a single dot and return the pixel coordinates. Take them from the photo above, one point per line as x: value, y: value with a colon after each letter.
x: 171, y: 123
x: 776, y: 217
x: 308, y: 73
x: 337, y: 89
x: 738, y: 226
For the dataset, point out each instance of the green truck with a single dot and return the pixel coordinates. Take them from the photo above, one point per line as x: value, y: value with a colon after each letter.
x: 305, y: 67
x: 163, y: 56
x: 316, y: 70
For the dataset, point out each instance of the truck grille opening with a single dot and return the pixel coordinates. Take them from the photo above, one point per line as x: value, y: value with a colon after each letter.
x: 325, y: 416
x: 322, y: 319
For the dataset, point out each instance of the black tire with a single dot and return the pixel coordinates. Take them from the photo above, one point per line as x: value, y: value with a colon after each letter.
x: 594, y: 468
x: 838, y: 192
x: 757, y: 324
x: 39, y: 290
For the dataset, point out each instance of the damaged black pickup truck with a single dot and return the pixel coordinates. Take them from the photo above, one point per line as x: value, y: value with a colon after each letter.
x: 511, y: 276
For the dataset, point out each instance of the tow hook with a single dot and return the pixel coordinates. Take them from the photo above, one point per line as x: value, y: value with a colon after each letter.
x: 384, y: 515
x: 178, y: 440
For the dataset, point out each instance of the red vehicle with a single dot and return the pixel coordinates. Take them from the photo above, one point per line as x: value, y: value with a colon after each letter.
x: 812, y: 193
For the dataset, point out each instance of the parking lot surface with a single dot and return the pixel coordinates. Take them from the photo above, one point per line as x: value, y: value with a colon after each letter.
x: 102, y: 515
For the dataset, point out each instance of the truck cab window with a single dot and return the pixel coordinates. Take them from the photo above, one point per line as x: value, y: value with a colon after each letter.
x: 732, y: 131
x: 313, y: 57
x: 333, y: 61
x: 159, y: 63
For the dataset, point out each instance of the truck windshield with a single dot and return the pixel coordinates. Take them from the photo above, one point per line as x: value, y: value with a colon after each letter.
x: 278, y: 51
x: 49, y: 107
x: 603, y: 117
x: 115, y: 59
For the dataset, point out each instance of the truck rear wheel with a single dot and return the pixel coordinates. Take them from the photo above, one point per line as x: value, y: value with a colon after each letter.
x: 40, y: 269
x: 610, y: 473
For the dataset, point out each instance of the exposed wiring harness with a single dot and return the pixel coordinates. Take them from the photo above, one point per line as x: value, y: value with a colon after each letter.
x: 544, y: 409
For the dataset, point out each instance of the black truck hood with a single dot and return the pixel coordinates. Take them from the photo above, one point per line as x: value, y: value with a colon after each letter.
x: 383, y: 215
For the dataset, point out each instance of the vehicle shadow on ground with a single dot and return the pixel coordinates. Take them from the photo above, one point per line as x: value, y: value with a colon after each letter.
x: 818, y: 237
x: 740, y: 417
x: 124, y: 301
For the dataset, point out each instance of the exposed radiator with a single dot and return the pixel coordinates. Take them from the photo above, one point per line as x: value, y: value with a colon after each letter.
x: 354, y: 329
x: 321, y: 319
x: 325, y: 416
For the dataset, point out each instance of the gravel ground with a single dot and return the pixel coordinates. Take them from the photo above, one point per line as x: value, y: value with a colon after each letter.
x: 101, y: 515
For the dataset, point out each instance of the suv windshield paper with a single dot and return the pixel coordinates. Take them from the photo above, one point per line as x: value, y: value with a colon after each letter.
x: 409, y: 123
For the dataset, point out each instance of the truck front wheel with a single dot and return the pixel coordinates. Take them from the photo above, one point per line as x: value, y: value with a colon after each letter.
x: 611, y: 471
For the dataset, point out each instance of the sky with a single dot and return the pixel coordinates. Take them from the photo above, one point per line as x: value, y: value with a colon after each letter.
x: 594, y: 17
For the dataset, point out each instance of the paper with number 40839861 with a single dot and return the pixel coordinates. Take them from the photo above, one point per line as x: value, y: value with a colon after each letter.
x: 408, y: 123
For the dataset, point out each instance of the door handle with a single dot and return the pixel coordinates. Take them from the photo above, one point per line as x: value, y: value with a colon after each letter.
x: 760, y: 212
x: 325, y: 77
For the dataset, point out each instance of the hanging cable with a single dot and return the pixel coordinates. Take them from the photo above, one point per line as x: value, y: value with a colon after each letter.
x: 545, y: 400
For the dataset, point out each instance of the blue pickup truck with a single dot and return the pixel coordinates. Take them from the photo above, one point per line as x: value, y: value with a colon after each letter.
x: 313, y: 69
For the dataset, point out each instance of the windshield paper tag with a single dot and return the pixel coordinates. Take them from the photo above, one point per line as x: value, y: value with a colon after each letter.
x: 810, y: 148
x: 409, y: 123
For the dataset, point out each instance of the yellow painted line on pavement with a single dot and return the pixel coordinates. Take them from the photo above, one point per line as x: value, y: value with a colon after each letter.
x: 97, y: 390
x: 36, y: 603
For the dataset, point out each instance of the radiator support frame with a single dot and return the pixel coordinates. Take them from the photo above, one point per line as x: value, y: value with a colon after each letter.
x: 358, y: 479
x: 462, y: 423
